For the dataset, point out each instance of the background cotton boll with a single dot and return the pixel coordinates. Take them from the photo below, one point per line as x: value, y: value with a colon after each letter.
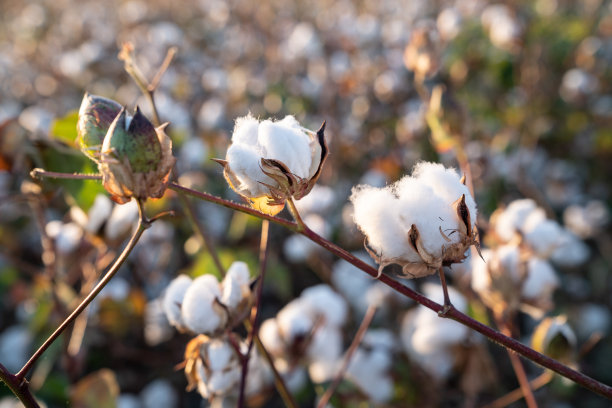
x: 321, y: 299
x: 220, y: 382
x: 586, y: 221
x: 481, y: 278
x: 98, y: 213
x: 67, y: 236
x: 376, y: 213
x: 297, y: 247
x: 270, y: 336
x: 121, y: 220
x: 570, y: 251
x: 541, y: 280
x: 284, y: 142
x: 219, y: 354
x: 319, y: 200
x: 543, y: 236
x: 367, y: 369
x: 197, y: 310
x: 159, y: 394
x: 294, y: 320
x: 514, y: 216
x: 173, y: 299
x: 157, y: 329
x: 351, y: 282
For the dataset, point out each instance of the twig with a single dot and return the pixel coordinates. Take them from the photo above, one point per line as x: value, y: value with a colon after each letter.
x: 263, y: 260
x: 143, y: 223
x: 295, y: 214
x: 19, y: 387
x: 447, y: 301
x: 363, y: 327
x: 40, y: 173
x: 517, y: 394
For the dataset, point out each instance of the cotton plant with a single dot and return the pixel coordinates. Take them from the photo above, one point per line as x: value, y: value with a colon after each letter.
x: 422, y: 222
x: 206, y: 306
x: 269, y: 161
x: 213, y: 366
x: 308, y: 332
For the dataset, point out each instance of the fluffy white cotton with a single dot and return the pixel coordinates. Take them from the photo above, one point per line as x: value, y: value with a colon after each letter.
x: 543, y: 236
x: 368, y: 370
x: 298, y: 248
x: 197, y: 310
x: 173, y: 299
x: 99, y: 212
x: 322, y: 300
x: 220, y: 354
x: 570, y: 251
x: 481, y: 278
x: 513, y: 217
x: 319, y: 200
x: 586, y: 221
x: 67, y: 236
x: 294, y: 320
x: 270, y: 336
x: 235, y: 284
x: 284, y: 140
x: 426, y: 199
x: 122, y: 219
x: 541, y: 279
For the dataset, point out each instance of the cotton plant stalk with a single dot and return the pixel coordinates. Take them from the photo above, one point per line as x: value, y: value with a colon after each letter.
x: 270, y: 162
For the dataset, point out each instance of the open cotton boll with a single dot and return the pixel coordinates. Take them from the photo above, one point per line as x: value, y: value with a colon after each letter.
x: 570, y: 251
x: 173, y: 300
x: 513, y: 217
x: 319, y: 200
x: 98, y: 213
x: 198, y: 310
x: 543, y: 236
x: 220, y: 382
x: 376, y: 212
x: 326, y: 344
x: 541, y: 280
x: 219, y: 353
x: 245, y: 130
x: 294, y: 320
x: 271, y: 338
x: 324, y: 301
x: 121, y: 220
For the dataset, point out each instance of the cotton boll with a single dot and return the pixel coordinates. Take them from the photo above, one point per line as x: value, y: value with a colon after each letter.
x: 173, y: 300
x: 122, y: 219
x: 220, y: 382
x: 99, y: 212
x: 271, y: 338
x: 541, y: 280
x: 511, y: 219
x: 570, y: 251
x: 509, y: 258
x: 198, y: 310
x: 586, y: 221
x: 351, y: 282
x: 294, y: 320
x: 543, y: 236
x: 319, y: 200
x: 365, y: 371
x: 159, y: 394
x: 326, y: 344
x: 245, y: 131
x: 324, y: 301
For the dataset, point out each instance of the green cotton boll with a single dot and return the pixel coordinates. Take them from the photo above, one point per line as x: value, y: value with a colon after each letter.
x: 95, y: 118
x: 136, y: 139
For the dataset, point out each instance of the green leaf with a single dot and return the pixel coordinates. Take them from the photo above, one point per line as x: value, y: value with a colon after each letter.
x: 64, y: 128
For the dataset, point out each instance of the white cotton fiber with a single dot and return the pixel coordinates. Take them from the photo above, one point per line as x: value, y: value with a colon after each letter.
x: 541, y: 279
x: 197, y: 309
x: 281, y: 141
x: 324, y: 301
x: 245, y: 162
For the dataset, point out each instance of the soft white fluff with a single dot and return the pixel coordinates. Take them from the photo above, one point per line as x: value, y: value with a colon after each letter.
x: 425, y: 199
x: 173, y: 299
x: 322, y: 300
x: 197, y: 309
x: 284, y: 140
x: 235, y: 284
x: 541, y: 280
x: 294, y: 320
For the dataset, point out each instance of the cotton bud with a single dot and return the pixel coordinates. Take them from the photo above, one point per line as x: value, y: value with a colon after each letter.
x: 422, y: 222
x: 269, y: 162
x: 136, y: 158
x: 95, y: 117
x: 555, y: 338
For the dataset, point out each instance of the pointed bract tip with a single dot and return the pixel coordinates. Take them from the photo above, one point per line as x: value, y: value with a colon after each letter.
x: 220, y: 161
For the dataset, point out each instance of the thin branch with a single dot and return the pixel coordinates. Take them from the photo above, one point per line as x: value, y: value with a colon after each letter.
x: 363, y: 327
x: 517, y: 394
x: 143, y: 223
x: 162, y: 68
x: 19, y: 387
x: 263, y: 260
x: 295, y: 214
x: 42, y: 173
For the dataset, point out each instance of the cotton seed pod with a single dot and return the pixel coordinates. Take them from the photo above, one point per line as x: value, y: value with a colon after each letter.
x: 269, y: 162
x: 95, y: 117
x: 136, y: 158
x: 422, y: 222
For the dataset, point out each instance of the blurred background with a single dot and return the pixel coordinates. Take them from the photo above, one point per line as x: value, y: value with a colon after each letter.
x: 527, y: 101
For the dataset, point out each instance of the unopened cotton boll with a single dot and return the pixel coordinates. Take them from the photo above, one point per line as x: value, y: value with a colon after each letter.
x: 199, y: 310
x: 269, y: 162
x: 173, y: 300
x: 422, y: 222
